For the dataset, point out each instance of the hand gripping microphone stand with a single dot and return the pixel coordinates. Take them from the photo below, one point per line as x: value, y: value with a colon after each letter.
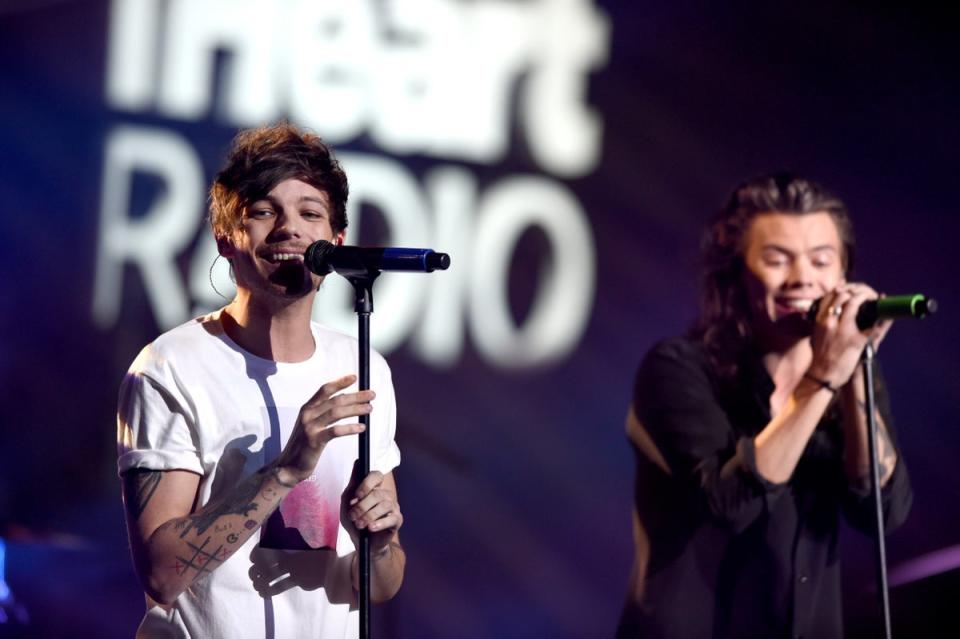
x: 361, y: 267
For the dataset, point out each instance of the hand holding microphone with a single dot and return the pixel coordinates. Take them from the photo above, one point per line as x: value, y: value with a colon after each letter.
x: 839, y: 340
x: 889, y: 307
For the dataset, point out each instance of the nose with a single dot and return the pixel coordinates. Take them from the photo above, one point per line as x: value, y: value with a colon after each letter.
x: 286, y: 226
x: 801, y: 273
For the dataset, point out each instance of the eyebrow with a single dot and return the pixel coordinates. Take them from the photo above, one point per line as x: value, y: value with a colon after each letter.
x: 310, y: 198
x: 775, y: 247
x: 303, y: 198
x: 783, y: 249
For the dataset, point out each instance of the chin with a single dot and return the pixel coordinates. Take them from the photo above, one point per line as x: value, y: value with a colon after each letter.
x: 292, y: 282
x: 794, y: 325
x: 296, y: 291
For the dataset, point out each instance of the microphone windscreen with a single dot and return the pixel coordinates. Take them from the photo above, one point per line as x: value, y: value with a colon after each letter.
x: 316, y: 257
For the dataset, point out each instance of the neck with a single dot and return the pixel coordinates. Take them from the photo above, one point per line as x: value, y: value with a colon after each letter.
x: 271, y: 329
x: 786, y: 366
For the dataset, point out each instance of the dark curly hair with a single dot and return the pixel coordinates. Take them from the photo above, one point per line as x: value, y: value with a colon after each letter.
x: 262, y: 158
x: 724, y: 323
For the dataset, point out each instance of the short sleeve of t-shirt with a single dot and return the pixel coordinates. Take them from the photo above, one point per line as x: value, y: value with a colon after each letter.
x: 154, y: 429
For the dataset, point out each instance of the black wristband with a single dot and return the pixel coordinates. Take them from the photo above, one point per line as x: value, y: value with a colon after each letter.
x: 821, y: 382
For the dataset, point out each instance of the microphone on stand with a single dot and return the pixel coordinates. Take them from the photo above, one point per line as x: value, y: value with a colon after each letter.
x: 361, y: 266
x: 889, y: 307
x: 322, y: 256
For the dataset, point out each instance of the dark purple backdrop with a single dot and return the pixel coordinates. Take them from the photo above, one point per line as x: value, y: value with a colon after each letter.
x: 516, y: 485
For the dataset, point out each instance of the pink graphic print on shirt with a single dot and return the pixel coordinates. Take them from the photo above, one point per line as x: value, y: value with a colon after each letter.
x: 309, y: 516
x: 314, y: 514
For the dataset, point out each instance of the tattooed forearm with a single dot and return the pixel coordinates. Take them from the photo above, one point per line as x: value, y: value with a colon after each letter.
x: 884, y: 444
x: 886, y: 453
x: 139, y: 486
x: 184, y: 549
x: 241, y: 502
x: 200, y: 560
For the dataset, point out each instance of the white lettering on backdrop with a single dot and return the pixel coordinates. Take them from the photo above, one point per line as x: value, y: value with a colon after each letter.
x: 438, y: 78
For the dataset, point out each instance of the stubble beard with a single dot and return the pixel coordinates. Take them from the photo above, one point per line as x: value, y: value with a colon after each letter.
x: 287, y: 284
x: 292, y: 279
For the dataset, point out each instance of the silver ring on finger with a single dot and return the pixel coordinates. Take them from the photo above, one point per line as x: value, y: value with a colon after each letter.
x: 836, y: 311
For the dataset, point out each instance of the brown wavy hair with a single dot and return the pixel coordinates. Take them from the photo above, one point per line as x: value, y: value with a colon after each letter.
x: 724, y: 323
x: 262, y: 158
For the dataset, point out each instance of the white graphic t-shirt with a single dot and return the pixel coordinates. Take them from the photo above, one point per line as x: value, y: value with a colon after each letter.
x: 194, y: 400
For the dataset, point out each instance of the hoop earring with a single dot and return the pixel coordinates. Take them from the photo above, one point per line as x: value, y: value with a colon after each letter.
x: 210, y: 278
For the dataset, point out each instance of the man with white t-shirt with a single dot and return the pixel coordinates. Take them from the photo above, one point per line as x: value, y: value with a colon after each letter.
x: 236, y: 450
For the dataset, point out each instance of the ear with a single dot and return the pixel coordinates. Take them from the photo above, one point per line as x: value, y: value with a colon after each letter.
x: 338, y: 238
x: 225, y: 247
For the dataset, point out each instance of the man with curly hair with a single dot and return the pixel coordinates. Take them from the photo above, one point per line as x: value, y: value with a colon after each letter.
x: 750, y: 432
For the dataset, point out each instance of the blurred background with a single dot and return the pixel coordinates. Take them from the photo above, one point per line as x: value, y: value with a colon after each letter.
x: 566, y: 154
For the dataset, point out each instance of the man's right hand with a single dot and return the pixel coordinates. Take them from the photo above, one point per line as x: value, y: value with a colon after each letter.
x: 837, y: 341
x: 313, y: 429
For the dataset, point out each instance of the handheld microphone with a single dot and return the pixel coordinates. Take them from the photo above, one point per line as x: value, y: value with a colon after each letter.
x: 890, y: 307
x: 322, y: 256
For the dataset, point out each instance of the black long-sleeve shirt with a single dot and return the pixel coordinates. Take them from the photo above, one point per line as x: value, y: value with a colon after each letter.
x: 721, y: 551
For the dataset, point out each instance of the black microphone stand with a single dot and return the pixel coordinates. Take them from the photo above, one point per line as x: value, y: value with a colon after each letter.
x: 361, y: 267
x: 363, y: 305
x: 884, y: 591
